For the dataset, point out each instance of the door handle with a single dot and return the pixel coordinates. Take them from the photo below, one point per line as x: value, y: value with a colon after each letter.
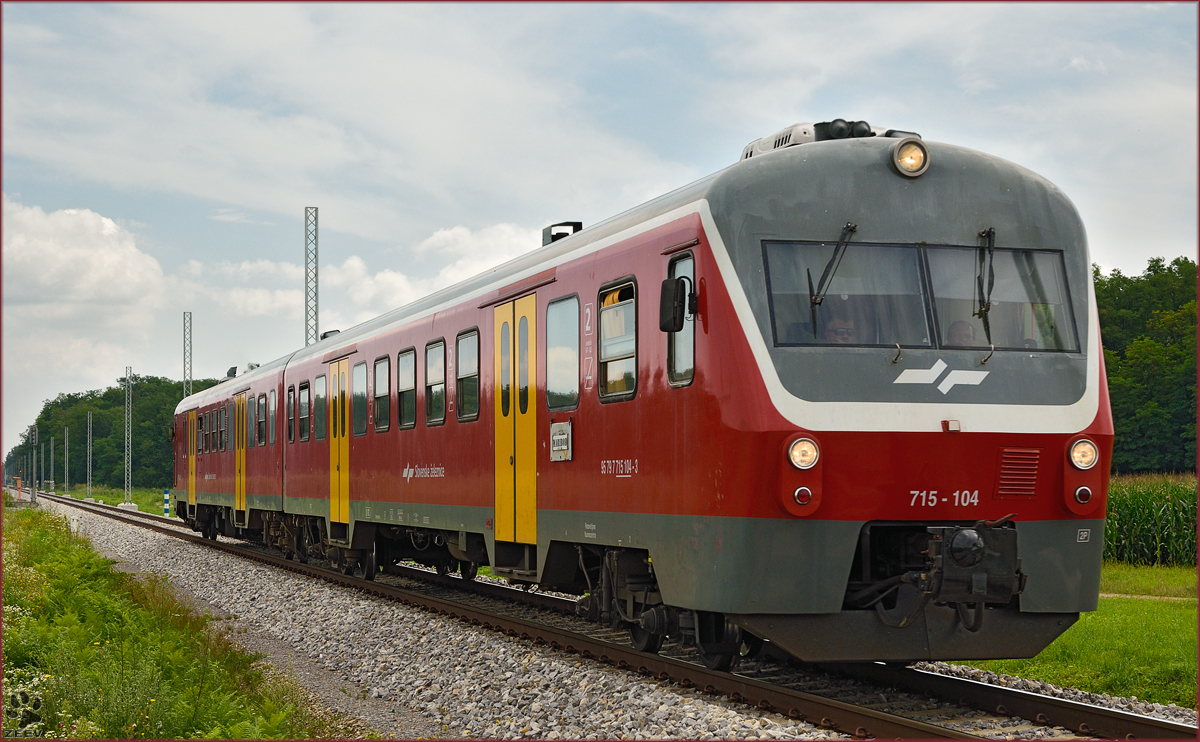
x: 511, y: 461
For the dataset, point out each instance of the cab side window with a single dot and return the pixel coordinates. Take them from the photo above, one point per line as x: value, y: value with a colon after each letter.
x: 406, y: 389
x: 262, y: 419
x: 318, y: 409
x: 467, y: 376
x: 291, y: 414
x: 383, y: 396
x: 618, y: 341
x: 272, y: 409
x: 681, y: 346
x: 358, y: 398
x: 251, y: 425
x: 435, y: 383
x: 304, y: 409
x: 562, y: 354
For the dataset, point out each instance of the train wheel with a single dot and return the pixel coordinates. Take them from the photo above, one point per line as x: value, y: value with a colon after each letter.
x: 721, y: 661
x: 721, y: 654
x: 751, y: 646
x: 444, y: 568
x: 645, y: 641
x: 369, y: 567
x: 468, y: 570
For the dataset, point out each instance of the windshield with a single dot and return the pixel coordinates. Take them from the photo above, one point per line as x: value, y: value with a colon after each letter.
x: 1030, y: 309
x: 878, y: 296
x: 875, y: 297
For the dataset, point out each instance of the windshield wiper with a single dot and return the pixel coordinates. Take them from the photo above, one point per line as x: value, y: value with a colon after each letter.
x: 985, y: 295
x: 818, y: 296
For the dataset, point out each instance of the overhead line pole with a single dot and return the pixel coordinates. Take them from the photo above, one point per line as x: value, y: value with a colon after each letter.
x: 89, y: 456
x: 312, y: 331
x: 187, y: 354
x: 128, y: 434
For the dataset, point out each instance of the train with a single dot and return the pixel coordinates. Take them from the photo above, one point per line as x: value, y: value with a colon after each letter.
x: 845, y: 397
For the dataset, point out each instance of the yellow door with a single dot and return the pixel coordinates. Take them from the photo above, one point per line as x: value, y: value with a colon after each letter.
x: 339, y: 442
x: 239, y: 456
x: 515, y: 394
x: 191, y: 450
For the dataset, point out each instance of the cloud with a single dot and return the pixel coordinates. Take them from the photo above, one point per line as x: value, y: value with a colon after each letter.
x: 460, y: 251
x: 1084, y: 65
x: 74, y: 267
x: 377, y: 114
x: 235, y: 216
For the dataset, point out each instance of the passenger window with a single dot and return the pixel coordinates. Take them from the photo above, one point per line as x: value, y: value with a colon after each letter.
x: 250, y: 424
x: 681, y: 346
x: 383, y: 396
x: 200, y: 438
x: 562, y: 354
x: 435, y: 382
x: 291, y: 414
x: 272, y: 408
x: 228, y: 417
x: 618, y: 342
x: 467, y: 376
x: 262, y: 419
x: 304, y: 408
x: 358, y: 398
x: 406, y: 389
x: 318, y: 409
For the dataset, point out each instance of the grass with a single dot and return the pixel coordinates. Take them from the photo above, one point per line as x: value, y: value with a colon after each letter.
x: 111, y: 655
x: 1112, y: 651
x: 1129, y: 579
x: 1152, y: 519
x: 147, y: 499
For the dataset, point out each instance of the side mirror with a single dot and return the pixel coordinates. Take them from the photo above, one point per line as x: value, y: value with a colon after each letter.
x: 672, y: 304
x: 171, y: 433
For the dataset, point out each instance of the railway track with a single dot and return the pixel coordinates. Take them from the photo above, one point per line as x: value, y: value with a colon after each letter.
x: 862, y: 700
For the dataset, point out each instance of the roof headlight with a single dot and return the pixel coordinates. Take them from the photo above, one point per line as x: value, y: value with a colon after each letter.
x: 910, y: 156
x: 803, y: 453
x: 1084, y: 454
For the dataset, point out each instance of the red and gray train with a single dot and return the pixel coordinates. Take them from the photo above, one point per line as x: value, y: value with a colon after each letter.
x: 846, y: 396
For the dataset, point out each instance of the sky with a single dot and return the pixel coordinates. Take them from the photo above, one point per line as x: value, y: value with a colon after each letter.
x: 157, y: 158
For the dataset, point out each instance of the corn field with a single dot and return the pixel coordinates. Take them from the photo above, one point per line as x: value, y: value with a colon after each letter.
x: 1152, y: 520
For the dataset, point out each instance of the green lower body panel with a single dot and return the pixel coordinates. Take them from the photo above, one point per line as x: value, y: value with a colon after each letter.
x: 937, y: 634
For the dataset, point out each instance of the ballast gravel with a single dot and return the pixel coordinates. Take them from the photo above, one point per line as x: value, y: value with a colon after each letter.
x: 1170, y: 712
x: 465, y: 682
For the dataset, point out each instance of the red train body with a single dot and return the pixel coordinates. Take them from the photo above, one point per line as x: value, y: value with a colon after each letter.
x: 582, y: 447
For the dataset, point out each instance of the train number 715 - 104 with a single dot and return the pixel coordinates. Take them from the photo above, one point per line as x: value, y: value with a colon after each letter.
x: 929, y: 498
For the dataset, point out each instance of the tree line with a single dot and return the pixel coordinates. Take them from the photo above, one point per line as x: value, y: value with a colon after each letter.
x: 1147, y: 322
x: 1148, y: 326
x: 154, y: 401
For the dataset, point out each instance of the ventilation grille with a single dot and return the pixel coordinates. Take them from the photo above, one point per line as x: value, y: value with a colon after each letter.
x: 1018, y: 472
x: 783, y: 141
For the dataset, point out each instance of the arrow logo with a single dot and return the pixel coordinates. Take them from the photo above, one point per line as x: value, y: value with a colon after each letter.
x: 408, y: 473
x: 930, y: 375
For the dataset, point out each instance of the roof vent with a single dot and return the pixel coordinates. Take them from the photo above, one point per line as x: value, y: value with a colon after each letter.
x: 232, y: 372
x: 805, y: 133
x: 558, y: 231
x: 329, y: 333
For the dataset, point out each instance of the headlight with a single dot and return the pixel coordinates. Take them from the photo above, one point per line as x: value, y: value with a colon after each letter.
x: 910, y: 157
x: 1084, y: 454
x: 803, y: 453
